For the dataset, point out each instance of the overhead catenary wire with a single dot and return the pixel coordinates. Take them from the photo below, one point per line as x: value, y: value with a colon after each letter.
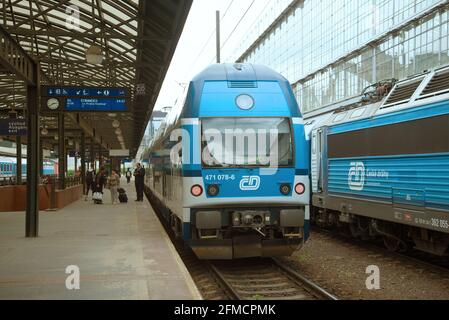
x: 211, y: 35
x: 253, y: 24
x: 238, y: 23
x: 236, y: 26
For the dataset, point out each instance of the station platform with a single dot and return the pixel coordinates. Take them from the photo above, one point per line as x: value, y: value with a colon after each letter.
x: 121, y: 250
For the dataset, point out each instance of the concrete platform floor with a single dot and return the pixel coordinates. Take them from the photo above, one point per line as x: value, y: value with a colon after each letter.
x: 121, y: 250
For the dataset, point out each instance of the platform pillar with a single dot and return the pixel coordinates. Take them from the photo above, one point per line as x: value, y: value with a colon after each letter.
x: 33, y: 147
x: 83, y: 161
x: 92, y: 154
x: 19, y: 160
x: 61, y: 151
x: 76, y: 162
x: 41, y: 159
x: 100, y: 156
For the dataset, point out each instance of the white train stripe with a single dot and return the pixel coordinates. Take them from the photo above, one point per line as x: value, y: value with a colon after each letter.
x: 298, y: 121
x: 190, y: 121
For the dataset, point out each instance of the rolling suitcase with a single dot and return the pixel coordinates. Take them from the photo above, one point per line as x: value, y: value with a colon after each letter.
x: 122, y: 197
x: 97, y: 197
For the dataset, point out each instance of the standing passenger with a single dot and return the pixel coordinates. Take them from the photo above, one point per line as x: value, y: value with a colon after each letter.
x: 100, y: 180
x: 114, y: 182
x: 128, y: 175
x: 139, y: 175
x: 90, y: 178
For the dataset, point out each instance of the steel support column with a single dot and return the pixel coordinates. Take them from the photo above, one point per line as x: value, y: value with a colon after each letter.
x: 41, y: 158
x: 61, y: 151
x: 92, y: 155
x: 83, y: 161
x: 33, y: 147
x: 76, y: 162
x: 100, y: 156
x: 19, y: 160
x: 217, y: 35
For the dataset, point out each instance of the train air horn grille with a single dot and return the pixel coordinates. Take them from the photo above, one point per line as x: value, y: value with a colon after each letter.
x: 242, y: 84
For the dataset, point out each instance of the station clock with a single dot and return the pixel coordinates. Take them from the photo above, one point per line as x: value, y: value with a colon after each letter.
x: 53, y: 104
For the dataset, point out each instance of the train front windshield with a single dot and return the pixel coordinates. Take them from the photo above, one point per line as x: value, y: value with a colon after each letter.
x: 247, y: 142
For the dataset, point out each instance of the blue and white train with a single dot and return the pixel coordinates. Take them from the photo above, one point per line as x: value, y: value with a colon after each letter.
x: 8, y: 167
x: 382, y: 169
x: 225, y: 199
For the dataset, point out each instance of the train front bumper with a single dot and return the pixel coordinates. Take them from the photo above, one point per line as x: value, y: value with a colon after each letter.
x: 246, y: 246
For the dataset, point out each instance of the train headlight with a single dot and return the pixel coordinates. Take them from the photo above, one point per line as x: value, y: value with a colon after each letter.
x: 247, y: 219
x: 267, y: 218
x: 285, y: 189
x: 236, y: 219
x: 244, y: 102
x: 300, y: 188
x: 196, y: 190
x: 213, y: 190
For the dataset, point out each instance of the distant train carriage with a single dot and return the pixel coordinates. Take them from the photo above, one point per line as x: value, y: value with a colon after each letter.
x: 50, y: 167
x: 8, y: 167
x: 226, y: 206
x: 383, y: 169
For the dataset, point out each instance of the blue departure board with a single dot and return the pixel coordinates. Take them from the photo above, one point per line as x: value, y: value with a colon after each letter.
x: 75, y: 104
x: 77, y: 99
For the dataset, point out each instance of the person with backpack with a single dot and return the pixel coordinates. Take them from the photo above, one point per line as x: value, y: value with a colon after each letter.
x: 129, y: 174
x: 90, y: 178
x: 100, y: 181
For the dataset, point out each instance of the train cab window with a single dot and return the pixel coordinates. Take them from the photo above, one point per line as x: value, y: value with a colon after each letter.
x: 242, y: 142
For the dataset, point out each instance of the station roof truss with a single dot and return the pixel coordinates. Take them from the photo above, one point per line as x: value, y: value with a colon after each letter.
x: 137, y: 39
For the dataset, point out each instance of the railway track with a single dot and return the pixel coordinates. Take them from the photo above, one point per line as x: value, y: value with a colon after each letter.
x: 417, y: 257
x: 245, y: 279
x: 265, y: 279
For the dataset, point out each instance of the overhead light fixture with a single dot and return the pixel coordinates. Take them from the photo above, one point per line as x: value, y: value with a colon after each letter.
x: 115, y: 123
x: 44, y: 132
x: 118, y: 131
x: 56, y: 137
x: 70, y: 142
x: 112, y: 115
x: 94, y: 55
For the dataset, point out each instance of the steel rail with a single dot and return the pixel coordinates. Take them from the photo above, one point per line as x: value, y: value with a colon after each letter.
x: 304, y: 281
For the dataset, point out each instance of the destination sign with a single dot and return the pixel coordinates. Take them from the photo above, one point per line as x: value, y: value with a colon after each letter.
x: 119, y: 153
x: 85, y: 92
x: 13, y: 127
x: 74, y: 104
